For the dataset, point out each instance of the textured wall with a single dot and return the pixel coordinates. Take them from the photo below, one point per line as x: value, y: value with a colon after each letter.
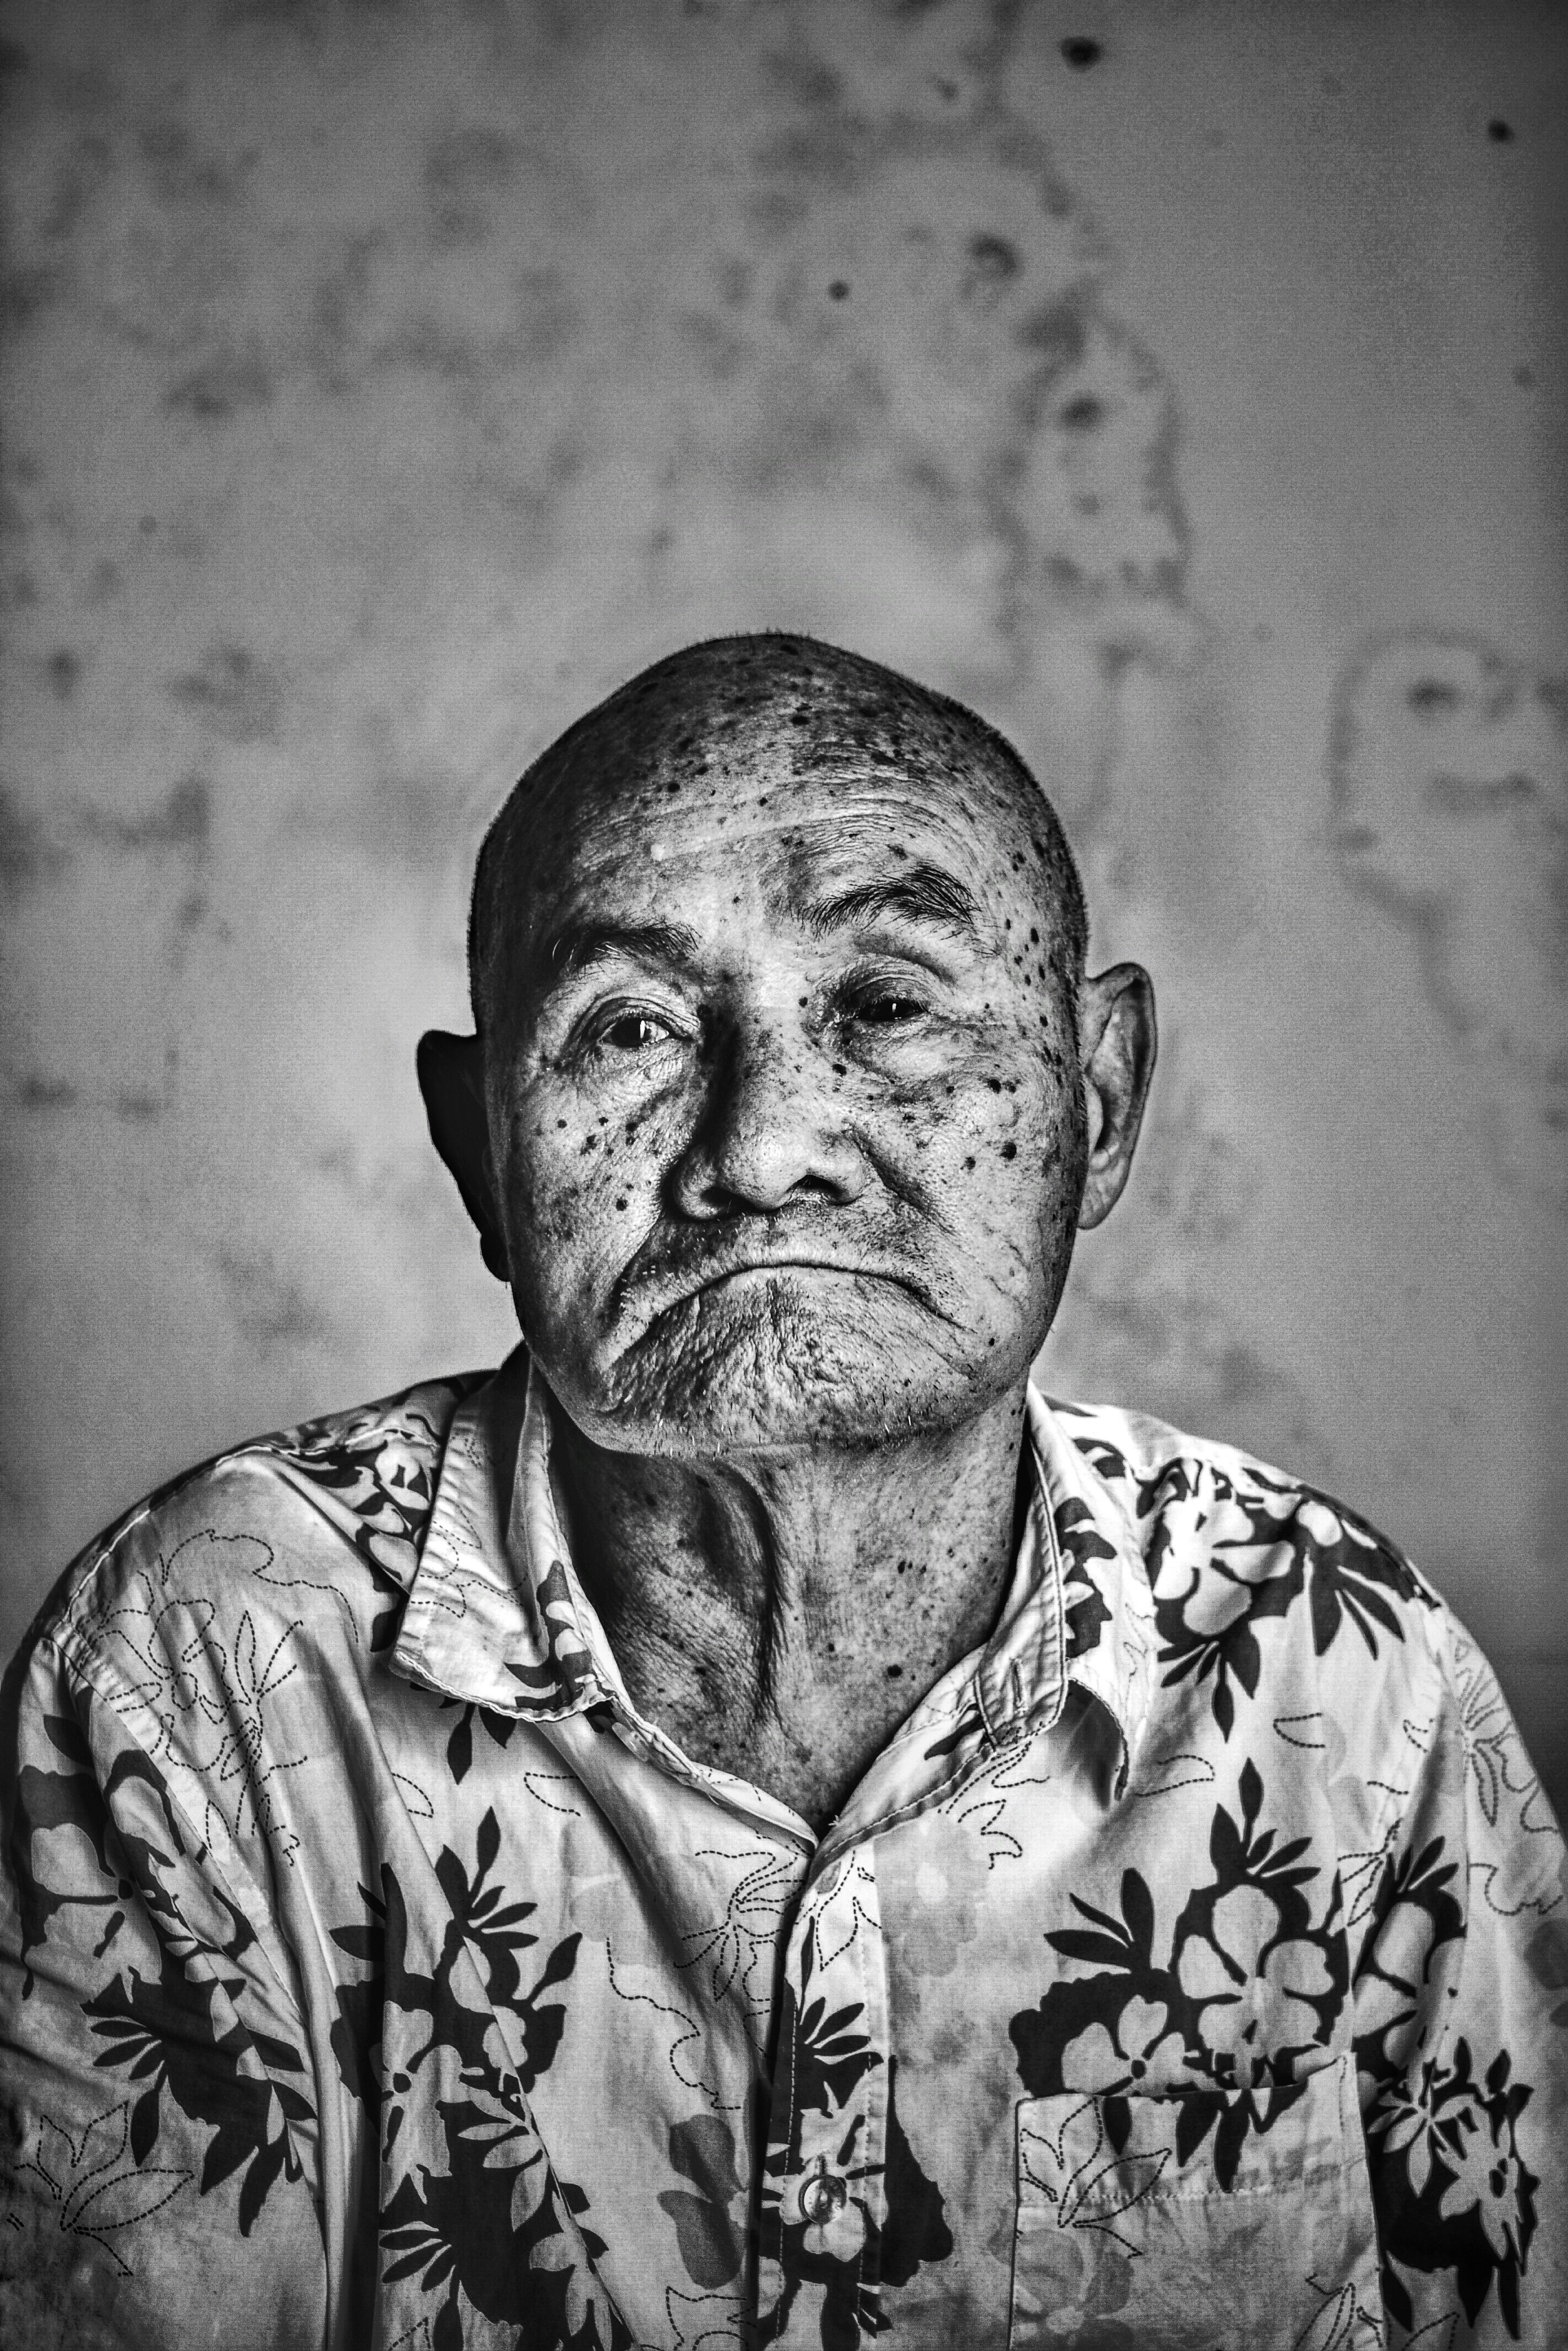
x: 384, y: 383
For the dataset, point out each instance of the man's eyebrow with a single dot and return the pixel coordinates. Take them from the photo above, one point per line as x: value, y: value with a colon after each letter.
x: 577, y: 946
x: 923, y: 895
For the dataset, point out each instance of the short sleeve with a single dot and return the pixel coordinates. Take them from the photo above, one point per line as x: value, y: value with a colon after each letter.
x: 1461, y: 2024
x: 157, y: 2108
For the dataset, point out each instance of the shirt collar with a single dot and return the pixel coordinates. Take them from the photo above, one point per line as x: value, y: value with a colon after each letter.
x: 495, y: 1615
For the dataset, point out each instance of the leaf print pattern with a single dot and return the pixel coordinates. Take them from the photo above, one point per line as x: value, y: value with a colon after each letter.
x: 99, y: 2180
x: 496, y: 2232
x: 1085, y: 1609
x: 210, y: 1700
x: 564, y: 1674
x: 735, y: 1952
x: 377, y: 1466
x: 709, y: 2229
x: 175, y: 2034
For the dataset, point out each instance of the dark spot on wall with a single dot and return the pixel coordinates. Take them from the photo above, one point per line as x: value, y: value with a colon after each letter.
x: 805, y: 79
x: 719, y: 349
x: 222, y: 387
x: 84, y: 89
x: 839, y: 290
x: 137, y: 1107
x: 829, y: 153
x: 29, y: 861
x: 23, y: 294
x: 1057, y: 333
x: 1085, y: 413
x: 994, y: 256
x: 65, y: 673
x: 232, y: 693
x: 270, y: 1311
x: 37, y: 1092
x: 1081, y: 52
x: 413, y: 820
x: 1432, y: 697
x: 179, y: 172
x: 80, y: 175
x: 547, y: 317
x: 337, y: 309
x: 1499, y: 130
x: 462, y: 171
x: 183, y: 822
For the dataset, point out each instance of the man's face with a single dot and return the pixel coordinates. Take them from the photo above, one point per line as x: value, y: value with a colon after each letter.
x: 785, y: 1127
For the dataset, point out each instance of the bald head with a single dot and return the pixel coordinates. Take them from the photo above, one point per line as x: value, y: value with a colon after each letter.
x: 730, y: 699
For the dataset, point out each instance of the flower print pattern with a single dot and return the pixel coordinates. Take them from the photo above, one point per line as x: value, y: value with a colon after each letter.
x: 1453, y: 2190
x: 1267, y: 1547
x: 1105, y: 2059
x: 1020, y: 2001
x: 1243, y: 1997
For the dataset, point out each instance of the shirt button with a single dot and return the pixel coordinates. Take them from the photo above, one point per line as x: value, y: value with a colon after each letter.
x: 822, y: 2195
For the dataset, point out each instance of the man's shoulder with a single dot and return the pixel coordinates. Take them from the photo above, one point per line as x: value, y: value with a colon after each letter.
x: 1231, y: 1543
x: 326, y: 1516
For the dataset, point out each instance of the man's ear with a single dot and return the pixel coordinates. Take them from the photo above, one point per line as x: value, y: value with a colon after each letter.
x: 1117, y: 1042
x: 451, y: 1080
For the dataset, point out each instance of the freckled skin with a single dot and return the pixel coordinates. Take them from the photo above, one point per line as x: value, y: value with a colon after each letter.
x: 788, y: 1305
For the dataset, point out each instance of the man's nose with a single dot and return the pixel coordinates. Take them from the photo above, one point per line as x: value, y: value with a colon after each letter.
x: 774, y: 1131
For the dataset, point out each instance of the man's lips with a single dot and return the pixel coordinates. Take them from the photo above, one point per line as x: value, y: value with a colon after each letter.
x: 657, y: 1287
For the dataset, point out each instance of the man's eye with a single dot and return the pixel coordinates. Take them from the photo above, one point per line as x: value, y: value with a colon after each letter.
x: 887, y: 1008
x: 633, y: 1032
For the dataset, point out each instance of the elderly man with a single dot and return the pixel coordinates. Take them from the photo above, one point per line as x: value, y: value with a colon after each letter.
x: 750, y: 1825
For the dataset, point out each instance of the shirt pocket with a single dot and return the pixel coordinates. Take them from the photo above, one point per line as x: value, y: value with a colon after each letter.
x: 1200, y: 2220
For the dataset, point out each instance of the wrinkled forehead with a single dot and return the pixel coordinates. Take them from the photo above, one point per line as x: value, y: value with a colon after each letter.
x: 788, y: 780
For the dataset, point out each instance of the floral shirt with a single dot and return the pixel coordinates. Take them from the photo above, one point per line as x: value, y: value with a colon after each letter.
x: 1191, y: 1968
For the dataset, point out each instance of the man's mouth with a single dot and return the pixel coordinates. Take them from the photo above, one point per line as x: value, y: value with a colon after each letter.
x: 659, y: 1290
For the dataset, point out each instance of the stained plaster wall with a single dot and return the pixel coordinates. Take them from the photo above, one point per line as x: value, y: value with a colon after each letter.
x: 384, y: 384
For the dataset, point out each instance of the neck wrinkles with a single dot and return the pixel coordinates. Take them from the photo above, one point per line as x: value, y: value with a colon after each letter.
x: 779, y: 1616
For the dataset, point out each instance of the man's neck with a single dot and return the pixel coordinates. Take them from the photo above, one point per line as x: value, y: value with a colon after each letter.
x: 780, y: 1616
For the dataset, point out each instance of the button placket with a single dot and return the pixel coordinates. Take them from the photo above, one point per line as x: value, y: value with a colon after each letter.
x: 827, y: 2140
